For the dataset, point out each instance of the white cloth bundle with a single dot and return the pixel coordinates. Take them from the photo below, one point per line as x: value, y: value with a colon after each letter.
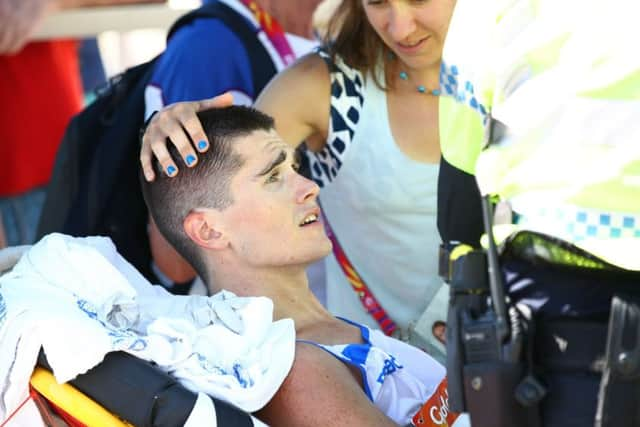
x: 79, y: 299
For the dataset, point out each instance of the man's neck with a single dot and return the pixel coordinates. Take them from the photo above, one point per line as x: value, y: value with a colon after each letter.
x: 287, y: 287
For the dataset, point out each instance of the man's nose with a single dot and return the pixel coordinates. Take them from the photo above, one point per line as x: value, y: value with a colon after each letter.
x: 306, y: 189
x: 401, y: 22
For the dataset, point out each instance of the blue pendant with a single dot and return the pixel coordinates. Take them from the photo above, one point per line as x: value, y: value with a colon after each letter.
x: 404, y: 75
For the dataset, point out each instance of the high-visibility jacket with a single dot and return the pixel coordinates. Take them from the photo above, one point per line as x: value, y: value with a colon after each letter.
x: 564, y: 77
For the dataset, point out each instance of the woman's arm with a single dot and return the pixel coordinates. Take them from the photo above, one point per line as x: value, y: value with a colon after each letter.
x: 298, y: 99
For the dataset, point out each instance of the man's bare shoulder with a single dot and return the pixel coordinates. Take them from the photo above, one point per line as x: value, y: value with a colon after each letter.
x: 320, y: 390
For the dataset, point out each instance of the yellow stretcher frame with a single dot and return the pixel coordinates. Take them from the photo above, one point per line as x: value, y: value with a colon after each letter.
x: 73, y: 401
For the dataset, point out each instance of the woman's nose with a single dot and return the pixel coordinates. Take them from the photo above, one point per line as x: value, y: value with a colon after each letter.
x: 401, y: 22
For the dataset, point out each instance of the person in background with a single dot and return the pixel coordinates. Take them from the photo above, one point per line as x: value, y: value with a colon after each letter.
x: 439, y: 331
x: 35, y: 76
x: 91, y: 68
x: 370, y: 102
x: 322, y: 17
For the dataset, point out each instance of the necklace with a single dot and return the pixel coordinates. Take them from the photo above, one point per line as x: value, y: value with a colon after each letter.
x: 421, y: 88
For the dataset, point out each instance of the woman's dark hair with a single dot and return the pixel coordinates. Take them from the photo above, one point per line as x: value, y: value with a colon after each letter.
x: 351, y: 37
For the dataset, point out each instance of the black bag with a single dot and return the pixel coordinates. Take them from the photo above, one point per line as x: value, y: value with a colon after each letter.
x: 94, y: 189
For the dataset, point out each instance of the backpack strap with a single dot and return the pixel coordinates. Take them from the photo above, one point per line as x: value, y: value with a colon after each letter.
x: 262, y: 66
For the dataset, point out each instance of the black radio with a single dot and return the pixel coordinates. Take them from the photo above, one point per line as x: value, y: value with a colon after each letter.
x: 487, y: 365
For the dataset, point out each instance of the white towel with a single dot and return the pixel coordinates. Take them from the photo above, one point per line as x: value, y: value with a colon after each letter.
x: 79, y: 299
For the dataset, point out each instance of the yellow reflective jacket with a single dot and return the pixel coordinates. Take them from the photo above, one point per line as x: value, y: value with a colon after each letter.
x: 564, y: 77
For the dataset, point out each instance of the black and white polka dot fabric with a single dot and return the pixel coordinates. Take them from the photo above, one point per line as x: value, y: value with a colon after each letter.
x: 347, y: 86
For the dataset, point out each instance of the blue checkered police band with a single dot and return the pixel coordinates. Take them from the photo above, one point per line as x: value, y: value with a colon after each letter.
x: 452, y: 84
x: 578, y: 224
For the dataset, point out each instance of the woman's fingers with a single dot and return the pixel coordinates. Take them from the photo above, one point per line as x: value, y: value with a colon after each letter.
x: 180, y: 128
x: 224, y: 100
x: 145, y: 162
x: 192, y: 124
x: 165, y: 124
x: 169, y: 126
x: 180, y: 124
x: 192, y: 133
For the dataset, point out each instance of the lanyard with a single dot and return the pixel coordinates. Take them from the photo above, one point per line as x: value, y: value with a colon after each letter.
x: 273, y: 30
x: 370, y: 303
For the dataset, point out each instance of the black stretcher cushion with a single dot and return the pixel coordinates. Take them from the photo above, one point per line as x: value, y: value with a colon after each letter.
x: 140, y: 393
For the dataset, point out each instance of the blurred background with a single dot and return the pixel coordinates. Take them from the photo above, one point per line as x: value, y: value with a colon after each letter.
x: 114, y: 37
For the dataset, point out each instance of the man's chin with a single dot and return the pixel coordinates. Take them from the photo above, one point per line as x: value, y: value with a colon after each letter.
x: 319, y: 254
x: 328, y: 247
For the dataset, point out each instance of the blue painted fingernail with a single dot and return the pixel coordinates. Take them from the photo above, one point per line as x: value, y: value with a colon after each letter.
x: 190, y: 159
x: 202, y: 144
x: 171, y: 170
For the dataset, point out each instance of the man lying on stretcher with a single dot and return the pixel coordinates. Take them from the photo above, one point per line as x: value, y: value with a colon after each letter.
x: 250, y: 224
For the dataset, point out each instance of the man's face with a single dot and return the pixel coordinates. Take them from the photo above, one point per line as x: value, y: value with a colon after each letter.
x: 274, y: 217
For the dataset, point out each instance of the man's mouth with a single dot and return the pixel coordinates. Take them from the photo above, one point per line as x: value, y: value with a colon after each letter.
x: 309, y: 219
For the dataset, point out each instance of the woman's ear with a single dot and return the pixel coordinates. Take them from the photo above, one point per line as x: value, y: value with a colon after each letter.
x: 202, y: 226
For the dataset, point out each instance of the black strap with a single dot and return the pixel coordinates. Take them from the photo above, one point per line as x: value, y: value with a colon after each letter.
x: 262, y: 66
x: 140, y: 393
x: 620, y: 385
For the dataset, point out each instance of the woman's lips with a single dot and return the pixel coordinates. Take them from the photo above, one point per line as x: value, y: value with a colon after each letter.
x: 411, y: 48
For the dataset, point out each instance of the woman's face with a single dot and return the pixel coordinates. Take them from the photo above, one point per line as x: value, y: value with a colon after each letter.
x: 414, y: 30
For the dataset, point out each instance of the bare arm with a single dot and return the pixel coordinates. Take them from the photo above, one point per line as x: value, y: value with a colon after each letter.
x: 19, y: 18
x: 321, y: 391
x: 298, y: 99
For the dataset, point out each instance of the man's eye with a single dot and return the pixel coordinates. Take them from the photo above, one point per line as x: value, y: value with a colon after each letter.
x: 273, y: 176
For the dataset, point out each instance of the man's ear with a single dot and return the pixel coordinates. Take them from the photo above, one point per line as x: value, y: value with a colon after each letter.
x: 203, y: 227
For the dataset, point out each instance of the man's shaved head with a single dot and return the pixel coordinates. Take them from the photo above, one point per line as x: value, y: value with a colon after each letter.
x: 206, y: 185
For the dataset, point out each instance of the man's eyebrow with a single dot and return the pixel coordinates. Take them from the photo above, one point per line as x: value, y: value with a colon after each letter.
x: 277, y: 161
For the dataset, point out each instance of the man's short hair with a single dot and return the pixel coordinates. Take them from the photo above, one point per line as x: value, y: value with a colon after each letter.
x: 206, y: 185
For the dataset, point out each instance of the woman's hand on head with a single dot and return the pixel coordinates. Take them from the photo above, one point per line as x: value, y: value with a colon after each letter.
x: 179, y: 123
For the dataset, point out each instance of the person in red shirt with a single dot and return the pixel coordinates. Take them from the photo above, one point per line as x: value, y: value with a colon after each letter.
x: 41, y: 85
